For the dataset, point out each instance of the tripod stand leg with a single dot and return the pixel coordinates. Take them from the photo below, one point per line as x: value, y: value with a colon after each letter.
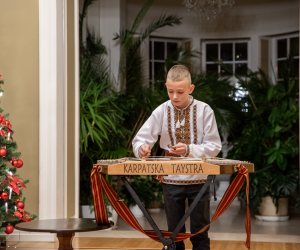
x: 191, y: 208
x: 165, y: 241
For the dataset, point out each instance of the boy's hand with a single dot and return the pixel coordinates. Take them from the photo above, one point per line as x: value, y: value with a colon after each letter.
x: 180, y: 149
x: 145, y: 151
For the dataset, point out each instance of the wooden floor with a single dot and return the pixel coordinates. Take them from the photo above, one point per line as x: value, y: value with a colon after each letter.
x: 85, y: 243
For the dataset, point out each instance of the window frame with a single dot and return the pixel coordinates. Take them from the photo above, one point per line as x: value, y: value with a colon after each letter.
x: 152, y: 61
x: 232, y: 78
x: 233, y: 62
x: 273, y: 52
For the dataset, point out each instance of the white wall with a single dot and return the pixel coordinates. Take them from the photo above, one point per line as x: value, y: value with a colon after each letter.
x: 250, y: 19
x: 106, y: 18
x: 246, y: 19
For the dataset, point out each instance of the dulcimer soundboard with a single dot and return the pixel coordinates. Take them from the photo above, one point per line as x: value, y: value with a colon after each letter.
x: 172, y: 166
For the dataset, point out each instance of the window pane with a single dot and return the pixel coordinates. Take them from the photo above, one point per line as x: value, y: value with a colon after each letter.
x: 159, y: 51
x: 226, y: 70
x: 282, y: 48
x: 281, y: 68
x: 211, y: 52
x: 241, y: 68
x: 150, y: 71
x: 294, y: 70
x: 241, y: 52
x: 226, y: 52
x: 212, y: 68
x: 150, y: 50
x: 294, y: 46
x: 171, y: 48
x: 159, y: 71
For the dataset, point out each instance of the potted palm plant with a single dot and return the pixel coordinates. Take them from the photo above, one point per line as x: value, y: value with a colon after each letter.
x: 145, y: 189
x: 155, y: 197
x: 269, y: 137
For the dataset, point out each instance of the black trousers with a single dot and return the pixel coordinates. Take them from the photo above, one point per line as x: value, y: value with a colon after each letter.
x: 175, y: 196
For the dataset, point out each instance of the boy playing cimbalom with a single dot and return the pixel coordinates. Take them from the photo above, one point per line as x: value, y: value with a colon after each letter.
x: 188, y: 128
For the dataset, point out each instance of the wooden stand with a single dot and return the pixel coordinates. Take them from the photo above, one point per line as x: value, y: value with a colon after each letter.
x: 65, y: 240
x: 171, y: 167
x: 3, y: 246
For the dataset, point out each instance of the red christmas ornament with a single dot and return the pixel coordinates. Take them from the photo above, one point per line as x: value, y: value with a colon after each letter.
x: 4, y: 195
x: 14, y: 163
x: 26, y: 218
x: 6, y: 122
x: 2, y: 152
x: 20, y: 204
x: 9, y: 229
x: 19, y: 163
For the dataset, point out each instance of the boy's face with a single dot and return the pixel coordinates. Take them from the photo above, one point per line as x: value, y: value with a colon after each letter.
x: 179, y: 92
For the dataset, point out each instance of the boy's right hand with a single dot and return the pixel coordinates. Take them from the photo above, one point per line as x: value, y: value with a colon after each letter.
x: 145, y: 151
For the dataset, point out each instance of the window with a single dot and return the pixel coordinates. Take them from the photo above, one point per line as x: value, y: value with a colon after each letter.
x: 159, y: 50
x: 233, y: 54
x: 284, y: 46
x: 275, y: 50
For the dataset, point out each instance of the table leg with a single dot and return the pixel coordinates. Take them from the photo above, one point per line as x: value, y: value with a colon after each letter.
x: 65, y: 240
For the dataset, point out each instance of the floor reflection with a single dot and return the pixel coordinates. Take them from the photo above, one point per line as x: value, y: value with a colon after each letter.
x: 231, y: 221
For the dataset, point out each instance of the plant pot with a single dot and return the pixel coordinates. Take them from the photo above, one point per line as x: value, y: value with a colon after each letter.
x: 114, y: 216
x: 154, y: 208
x: 137, y: 212
x: 267, y: 210
x: 85, y: 212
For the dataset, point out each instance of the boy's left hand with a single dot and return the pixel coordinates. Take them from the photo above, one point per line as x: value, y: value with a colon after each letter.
x: 180, y: 149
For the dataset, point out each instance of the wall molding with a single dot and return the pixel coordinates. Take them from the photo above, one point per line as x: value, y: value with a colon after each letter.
x: 77, y: 108
x: 51, y: 87
x: 31, y: 236
x: 53, y: 111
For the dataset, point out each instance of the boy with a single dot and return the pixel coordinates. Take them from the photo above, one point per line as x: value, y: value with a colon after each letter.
x: 188, y: 128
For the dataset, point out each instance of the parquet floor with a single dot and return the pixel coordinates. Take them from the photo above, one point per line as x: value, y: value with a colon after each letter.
x: 85, y: 243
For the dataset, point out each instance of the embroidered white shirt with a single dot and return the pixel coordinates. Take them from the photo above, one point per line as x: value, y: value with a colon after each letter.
x: 200, y: 133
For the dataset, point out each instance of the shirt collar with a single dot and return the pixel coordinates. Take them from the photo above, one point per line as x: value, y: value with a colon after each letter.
x: 191, y: 102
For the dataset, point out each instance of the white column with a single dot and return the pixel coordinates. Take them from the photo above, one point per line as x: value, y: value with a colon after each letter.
x: 195, y: 62
x: 112, y: 20
x: 144, y: 50
x: 77, y: 112
x: 93, y: 18
x: 52, y: 84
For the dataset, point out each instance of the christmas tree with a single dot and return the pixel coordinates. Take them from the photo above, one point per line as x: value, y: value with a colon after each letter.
x: 11, y: 202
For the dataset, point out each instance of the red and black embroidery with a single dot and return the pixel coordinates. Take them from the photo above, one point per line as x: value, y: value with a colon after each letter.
x: 170, y: 127
x: 177, y: 182
x: 195, y: 123
x: 176, y: 118
x: 183, y: 134
x: 187, y: 150
x: 186, y: 131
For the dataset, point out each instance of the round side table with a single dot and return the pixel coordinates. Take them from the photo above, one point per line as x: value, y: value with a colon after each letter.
x: 64, y: 228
